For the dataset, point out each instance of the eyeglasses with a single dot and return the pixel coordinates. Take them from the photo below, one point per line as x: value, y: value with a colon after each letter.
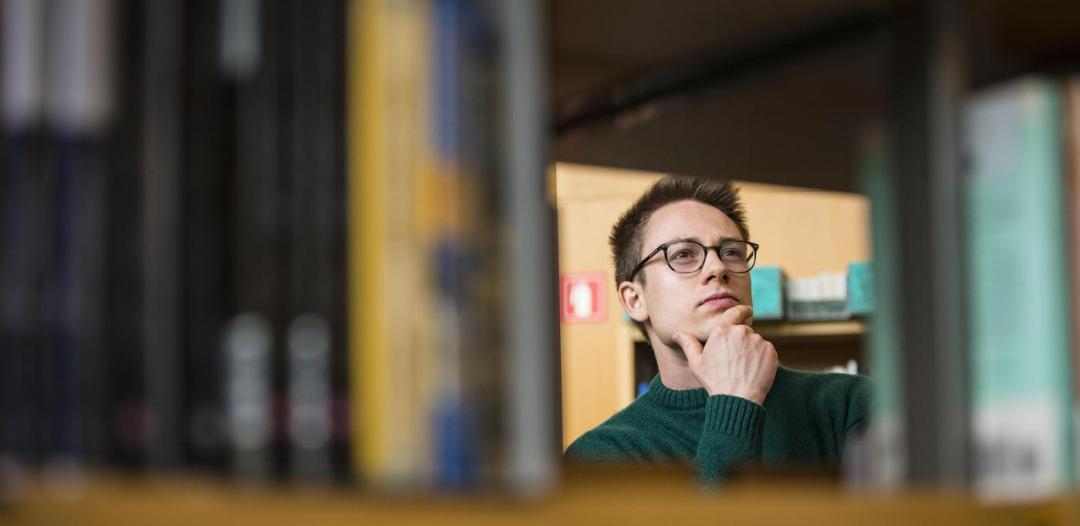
x: 687, y: 257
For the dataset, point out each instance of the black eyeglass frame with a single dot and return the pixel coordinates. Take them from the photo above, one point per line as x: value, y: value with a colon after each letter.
x: 716, y: 248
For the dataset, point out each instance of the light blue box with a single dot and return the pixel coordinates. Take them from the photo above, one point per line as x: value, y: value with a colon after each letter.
x: 860, y: 288
x: 767, y: 287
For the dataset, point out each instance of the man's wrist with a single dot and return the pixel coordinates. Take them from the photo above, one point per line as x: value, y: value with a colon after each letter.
x: 734, y: 416
x: 753, y: 396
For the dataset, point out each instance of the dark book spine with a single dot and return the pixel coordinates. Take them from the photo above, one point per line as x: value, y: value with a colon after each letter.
x: 161, y: 291
x: 20, y: 274
x: 314, y: 126
x: 205, y: 210
x: 128, y: 416
x: 21, y: 260
x: 78, y: 110
x: 252, y: 42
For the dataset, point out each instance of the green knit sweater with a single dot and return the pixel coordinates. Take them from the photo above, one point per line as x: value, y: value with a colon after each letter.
x: 804, y: 422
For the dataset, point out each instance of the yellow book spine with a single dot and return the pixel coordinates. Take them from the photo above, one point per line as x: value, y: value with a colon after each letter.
x: 367, y: 215
x: 391, y: 316
x: 405, y: 249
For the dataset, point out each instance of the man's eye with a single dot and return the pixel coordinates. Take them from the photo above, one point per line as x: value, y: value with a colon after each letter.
x: 682, y: 254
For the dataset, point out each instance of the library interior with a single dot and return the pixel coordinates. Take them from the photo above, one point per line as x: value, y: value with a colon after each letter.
x: 448, y: 261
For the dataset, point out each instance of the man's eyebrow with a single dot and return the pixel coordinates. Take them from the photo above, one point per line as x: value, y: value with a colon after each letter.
x: 698, y: 240
x: 679, y: 239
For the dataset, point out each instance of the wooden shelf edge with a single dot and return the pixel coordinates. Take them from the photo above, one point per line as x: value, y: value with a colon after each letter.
x: 811, y: 329
x: 800, y: 330
x: 627, y: 500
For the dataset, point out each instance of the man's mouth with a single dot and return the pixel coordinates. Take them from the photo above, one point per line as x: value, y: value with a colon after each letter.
x: 721, y: 300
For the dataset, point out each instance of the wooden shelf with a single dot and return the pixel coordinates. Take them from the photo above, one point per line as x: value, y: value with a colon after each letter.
x: 626, y: 497
x: 811, y: 330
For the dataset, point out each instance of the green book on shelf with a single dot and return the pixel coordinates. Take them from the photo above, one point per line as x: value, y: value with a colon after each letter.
x: 860, y: 288
x: 767, y: 289
x: 1018, y: 304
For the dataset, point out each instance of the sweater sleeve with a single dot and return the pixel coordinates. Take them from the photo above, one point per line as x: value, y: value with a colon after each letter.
x: 732, y: 436
x: 858, y: 407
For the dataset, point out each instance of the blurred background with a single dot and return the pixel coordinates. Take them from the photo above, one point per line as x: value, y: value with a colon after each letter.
x: 275, y: 260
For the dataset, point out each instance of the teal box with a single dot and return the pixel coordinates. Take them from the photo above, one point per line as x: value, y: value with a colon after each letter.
x: 860, y: 289
x: 767, y: 287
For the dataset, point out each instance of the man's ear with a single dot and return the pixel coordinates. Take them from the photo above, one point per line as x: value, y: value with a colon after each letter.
x: 632, y: 299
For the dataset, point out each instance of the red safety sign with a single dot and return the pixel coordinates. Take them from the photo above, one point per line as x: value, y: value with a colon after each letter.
x: 584, y: 297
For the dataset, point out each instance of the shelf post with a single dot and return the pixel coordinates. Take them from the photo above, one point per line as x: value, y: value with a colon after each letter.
x: 532, y: 361
x: 928, y: 68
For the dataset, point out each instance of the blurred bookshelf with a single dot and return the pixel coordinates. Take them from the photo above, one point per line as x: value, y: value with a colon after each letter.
x: 277, y: 241
x: 280, y: 262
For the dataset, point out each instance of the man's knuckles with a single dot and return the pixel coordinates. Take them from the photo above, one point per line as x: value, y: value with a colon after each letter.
x: 770, y: 354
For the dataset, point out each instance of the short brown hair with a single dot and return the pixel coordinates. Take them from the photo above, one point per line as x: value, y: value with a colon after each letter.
x: 628, y: 233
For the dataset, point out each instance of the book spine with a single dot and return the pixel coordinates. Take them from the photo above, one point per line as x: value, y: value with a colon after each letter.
x: 368, y: 318
x: 22, y: 29
x: 315, y: 343
x: 251, y: 63
x: 879, y: 458
x: 1019, y: 319
x: 533, y: 435
x: 78, y: 112
x: 160, y: 243
x: 207, y: 295
x: 1072, y: 191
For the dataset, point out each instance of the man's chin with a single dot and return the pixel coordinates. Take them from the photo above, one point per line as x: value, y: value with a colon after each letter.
x: 706, y: 327
x: 701, y: 331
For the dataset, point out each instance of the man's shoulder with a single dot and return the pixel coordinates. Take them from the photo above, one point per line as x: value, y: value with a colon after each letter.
x: 843, y: 395
x: 598, y: 443
x: 613, y: 437
x: 821, y: 382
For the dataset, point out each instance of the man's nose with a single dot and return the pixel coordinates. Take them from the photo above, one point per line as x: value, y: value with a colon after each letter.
x: 714, y: 266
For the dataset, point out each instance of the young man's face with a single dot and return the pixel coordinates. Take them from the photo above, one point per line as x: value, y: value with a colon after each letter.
x: 676, y: 302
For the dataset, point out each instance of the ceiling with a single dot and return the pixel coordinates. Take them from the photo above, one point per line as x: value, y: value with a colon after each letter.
x: 792, y: 123
x: 798, y: 122
x: 597, y: 42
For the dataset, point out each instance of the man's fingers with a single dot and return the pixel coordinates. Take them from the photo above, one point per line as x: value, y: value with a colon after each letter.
x: 738, y: 315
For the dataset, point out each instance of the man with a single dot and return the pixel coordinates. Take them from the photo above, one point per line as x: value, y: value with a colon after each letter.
x: 682, y: 258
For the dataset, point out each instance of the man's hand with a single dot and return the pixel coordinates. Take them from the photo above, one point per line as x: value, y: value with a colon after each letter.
x: 735, y: 360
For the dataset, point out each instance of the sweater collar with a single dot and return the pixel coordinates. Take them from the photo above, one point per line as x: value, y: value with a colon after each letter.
x: 691, y: 398
x: 686, y: 399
